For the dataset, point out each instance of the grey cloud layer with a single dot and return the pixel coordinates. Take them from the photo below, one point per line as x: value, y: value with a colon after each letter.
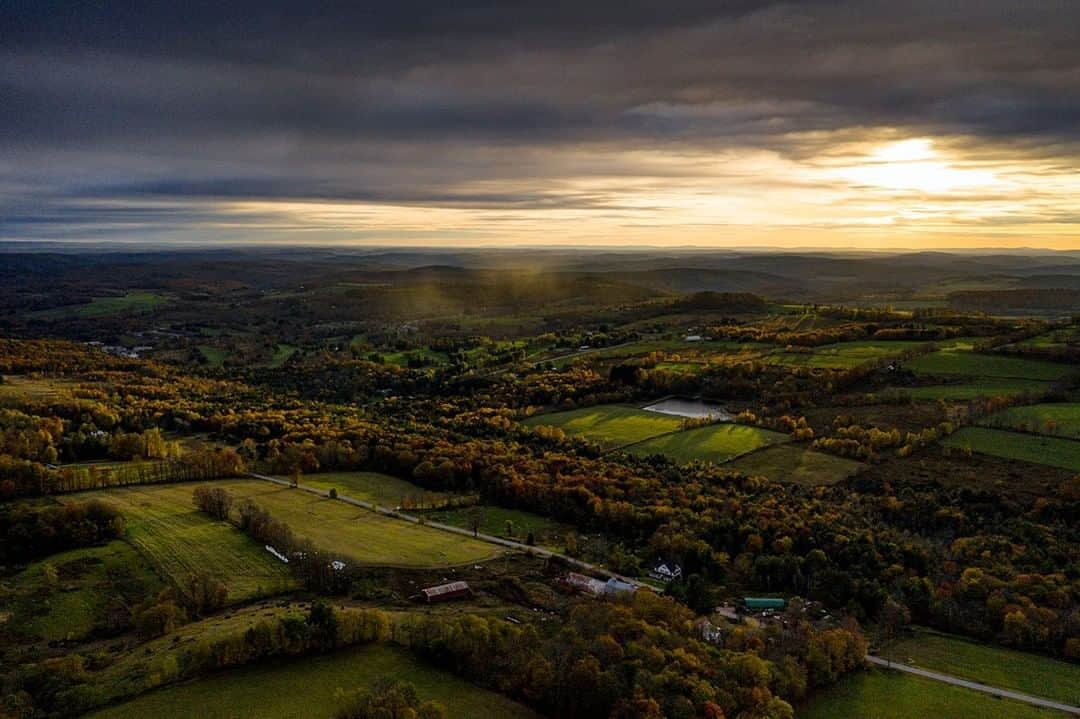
x: 416, y: 102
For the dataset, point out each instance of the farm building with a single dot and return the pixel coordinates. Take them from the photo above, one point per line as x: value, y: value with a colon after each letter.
x: 586, y: 585
x: 761, y: 604
x: 617, y: 587
x: 446, y: 592
x: 666, y: 571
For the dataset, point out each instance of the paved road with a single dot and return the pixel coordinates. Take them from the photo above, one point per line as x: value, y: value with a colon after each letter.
x: 956, y: 681
x: 490, y: 538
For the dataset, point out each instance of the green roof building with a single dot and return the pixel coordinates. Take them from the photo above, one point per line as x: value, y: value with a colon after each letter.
x: 756, y: 604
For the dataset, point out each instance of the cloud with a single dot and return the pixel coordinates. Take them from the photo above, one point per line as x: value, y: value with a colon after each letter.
x: 548, y: 107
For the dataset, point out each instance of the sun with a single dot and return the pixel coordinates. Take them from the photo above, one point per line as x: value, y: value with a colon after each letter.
x: 914, y: 165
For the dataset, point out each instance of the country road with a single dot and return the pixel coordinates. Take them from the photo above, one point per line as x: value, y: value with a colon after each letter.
x: 957, y: 681
x: 490, y: 538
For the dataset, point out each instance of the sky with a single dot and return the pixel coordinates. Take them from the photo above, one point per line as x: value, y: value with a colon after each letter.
x: 869, y: 125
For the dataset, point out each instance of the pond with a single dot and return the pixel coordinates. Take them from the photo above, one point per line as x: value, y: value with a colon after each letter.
x: 695, y: 408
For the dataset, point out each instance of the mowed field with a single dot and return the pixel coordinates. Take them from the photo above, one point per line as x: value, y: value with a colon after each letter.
x: 713, y: 443
x: 359, y: 533
x: 972, y: 364
x: 308, y: 687
x: 130, y: 303
x: 883, y: 694
x: 1028, y: 673
x: 1039, y: 449
x: 546, y: 532
x: 1058, y: 419
x: 374, y: 487
x: 167, y: 529
x: 977, y: 388
x: 843, y: 355
x: 795, y: 463
x: 611, y: 425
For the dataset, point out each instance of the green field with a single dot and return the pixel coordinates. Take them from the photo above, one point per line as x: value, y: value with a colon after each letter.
x: 547, y: 532
x: 358, y: 533
x: 976, y: 388
x: 713, y: 443
x: 374, y: 487
x: 1037, y: 449
x: 971, y: 364
x: 214, y: 357
x: 795, y: 463
x: 307, y: 688
x: 130, y: 303
x: 843, y: 355
x: 281, y: 355
x: 1063, y: 419
x: 19, y: 387
x: 86, y: 580
x: 428, y: 356
x: 610, y: 424
x: 164, y: 526
x: 881, y: 694
x: 1028, y: 673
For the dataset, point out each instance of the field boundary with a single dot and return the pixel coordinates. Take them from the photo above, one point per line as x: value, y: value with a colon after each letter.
x: 967, y: 683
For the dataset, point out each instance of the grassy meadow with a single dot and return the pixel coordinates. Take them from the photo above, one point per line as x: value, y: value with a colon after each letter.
x: 358, y: 533
x: 177, y: 539
x: 308, y: 687
x: 993, y: 387
x: 843, y: 355
x: 971, y: 364
x: 883, y: 694
x: 73, y: 601
x: 1061, y: 419
x: 712, y: 443
x: 611, y: 425
x: 374, y: 487
x: 1028, y: 673
x: 1038, y: 449
x: 547, y: 532
x: 791, y: 462
x: 130, y: 303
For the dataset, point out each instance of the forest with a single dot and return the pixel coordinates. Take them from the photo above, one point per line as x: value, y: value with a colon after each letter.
x: 847, y: 475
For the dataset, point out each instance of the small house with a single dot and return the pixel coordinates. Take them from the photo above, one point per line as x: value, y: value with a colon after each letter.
x: 617, y: 587
x: 583, y: 584
x: 666, y: 571
x: 446, y: 592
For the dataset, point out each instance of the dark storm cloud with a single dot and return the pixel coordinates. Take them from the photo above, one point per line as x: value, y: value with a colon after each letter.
x: 358, y: 101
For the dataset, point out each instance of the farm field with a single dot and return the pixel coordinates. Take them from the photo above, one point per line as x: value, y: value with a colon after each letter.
x: 281, y: 355
x: 1060, y: 419
x: 881, y: 694
x: 358, y: 533
x: 611, y: 425
x: 20, y: 387
x: 547, y: 532
x: 1028, y: 673
x: 425, y: 355
x: 713, y: 443
x: 130, y: 303
x: 976, y: 388
x: 214, y: 357
x: 960, y: 362
x: 164, y: 526
x: 374, y: 487
x: 843, y: 355
x: 1051, y: 451
x: 86, y: 580
x: 792, y: 462
x: 308, y: 688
